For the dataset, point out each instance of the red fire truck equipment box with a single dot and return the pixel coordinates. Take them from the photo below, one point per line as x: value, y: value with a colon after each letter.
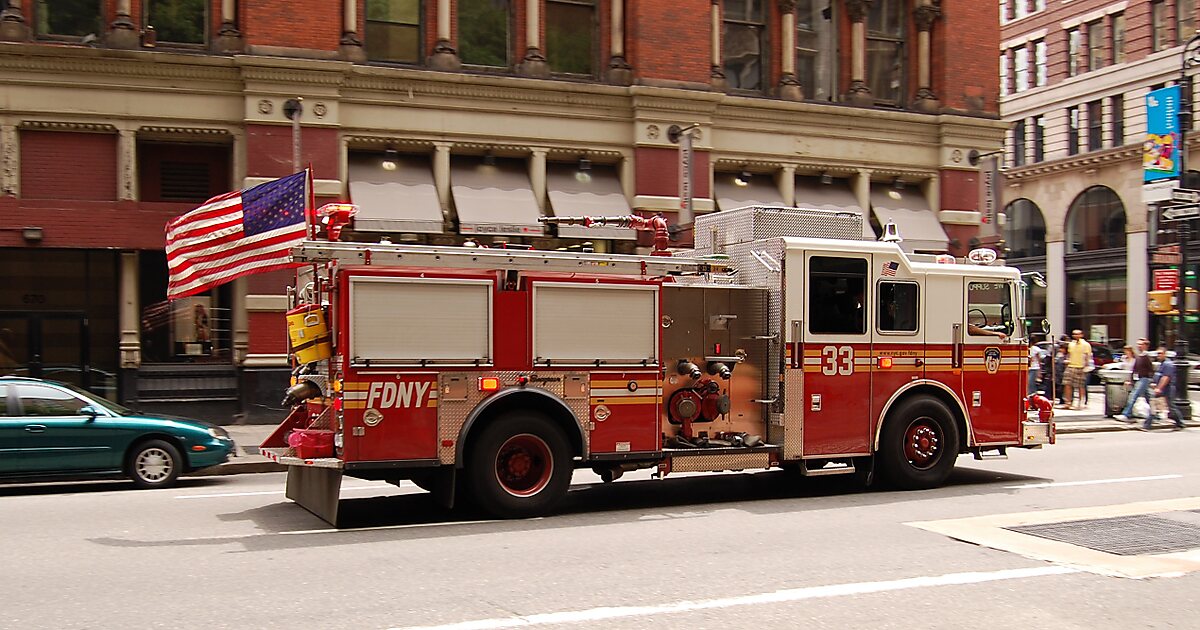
x: 311, y: 443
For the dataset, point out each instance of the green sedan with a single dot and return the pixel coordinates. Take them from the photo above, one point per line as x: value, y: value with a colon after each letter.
x: 50, y: 429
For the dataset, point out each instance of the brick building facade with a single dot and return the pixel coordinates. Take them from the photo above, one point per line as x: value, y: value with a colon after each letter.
x: 117, y: 120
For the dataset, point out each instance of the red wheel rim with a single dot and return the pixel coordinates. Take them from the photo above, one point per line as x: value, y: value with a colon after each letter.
x: 922, y: 443
x: 523, y: 465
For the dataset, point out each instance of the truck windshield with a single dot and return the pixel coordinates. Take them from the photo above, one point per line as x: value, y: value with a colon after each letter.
x: 989, y: 306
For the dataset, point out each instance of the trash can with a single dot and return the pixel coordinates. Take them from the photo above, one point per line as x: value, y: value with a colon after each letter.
x: 1115, y: 394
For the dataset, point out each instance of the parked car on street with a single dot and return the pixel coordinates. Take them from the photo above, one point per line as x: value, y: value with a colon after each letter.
x: 51, y: 429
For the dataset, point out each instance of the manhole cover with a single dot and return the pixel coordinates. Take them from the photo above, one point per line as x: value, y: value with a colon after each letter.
x: 1136, y: 535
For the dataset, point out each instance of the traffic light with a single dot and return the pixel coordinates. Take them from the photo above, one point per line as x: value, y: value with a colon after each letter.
x: 1163, y: 302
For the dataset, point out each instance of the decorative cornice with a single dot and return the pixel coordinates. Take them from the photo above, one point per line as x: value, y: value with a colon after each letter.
x: 206, y: 132
x: 453, y: 86
x: 47, y: 125
x: 16, y: 59
x: 1083, y: 160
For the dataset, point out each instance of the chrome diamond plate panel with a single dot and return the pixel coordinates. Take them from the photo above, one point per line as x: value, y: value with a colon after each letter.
x: 709, y: 463
x: 793, y: 419
x: 718, y: 230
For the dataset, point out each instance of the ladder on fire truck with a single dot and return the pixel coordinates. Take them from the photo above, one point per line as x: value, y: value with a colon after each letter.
x: 390, y: 254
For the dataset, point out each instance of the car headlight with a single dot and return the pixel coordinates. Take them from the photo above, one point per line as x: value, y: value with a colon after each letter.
x: 218, y: 433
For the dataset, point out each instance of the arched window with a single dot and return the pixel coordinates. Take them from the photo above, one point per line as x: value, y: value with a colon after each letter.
x: 1024, y: 229
x: 1096, y: 220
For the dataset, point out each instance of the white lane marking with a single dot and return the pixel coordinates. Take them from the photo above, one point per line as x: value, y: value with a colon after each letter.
x: 263, y: 492
x: 1093, y: 482
x: 777, y: 597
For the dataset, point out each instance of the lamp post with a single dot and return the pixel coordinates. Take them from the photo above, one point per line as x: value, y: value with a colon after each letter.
x: 1189, y: 58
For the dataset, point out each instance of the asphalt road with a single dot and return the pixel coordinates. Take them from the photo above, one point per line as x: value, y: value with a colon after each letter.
x: 704, y: 551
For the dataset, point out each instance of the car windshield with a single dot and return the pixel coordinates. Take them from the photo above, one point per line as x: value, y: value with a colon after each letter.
x: 97, y: 400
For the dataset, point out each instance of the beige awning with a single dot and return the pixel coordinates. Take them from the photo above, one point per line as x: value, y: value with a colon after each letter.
x: 837, y: 195
x: 916, y: 221
x: 760, y: 190
x: 494, y: 199
x: 596, y: 193
x: 400, y: 200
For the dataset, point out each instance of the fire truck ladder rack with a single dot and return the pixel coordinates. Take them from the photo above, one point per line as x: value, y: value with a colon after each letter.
x: 463, y: 257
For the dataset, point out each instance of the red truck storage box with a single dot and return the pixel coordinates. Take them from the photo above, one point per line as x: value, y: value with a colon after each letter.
x: 311, y: 443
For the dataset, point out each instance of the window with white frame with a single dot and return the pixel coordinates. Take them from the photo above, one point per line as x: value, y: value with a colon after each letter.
x: 1021, y: 68
x: 1040, y: 76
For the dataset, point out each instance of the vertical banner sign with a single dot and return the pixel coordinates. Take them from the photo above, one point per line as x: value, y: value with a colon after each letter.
x: 989, y: 204
x: 1160, y: 151
x: 685, y: 178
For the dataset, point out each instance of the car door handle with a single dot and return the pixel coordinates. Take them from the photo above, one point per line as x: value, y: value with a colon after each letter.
x: 35, y: 428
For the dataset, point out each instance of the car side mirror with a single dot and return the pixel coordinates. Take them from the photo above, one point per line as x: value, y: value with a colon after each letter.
x: 90, y: 411
x: 1045, y: 326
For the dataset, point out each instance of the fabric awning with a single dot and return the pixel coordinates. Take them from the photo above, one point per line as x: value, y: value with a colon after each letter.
x: 596, y: 192
x: 916, y: 221
x: 494, y: 199
x: 837, y: 195
x: 400, y: 200
x: 760, y: 190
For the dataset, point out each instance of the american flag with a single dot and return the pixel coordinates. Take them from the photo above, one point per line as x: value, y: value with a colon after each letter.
x: 236, y: 234
x: 889, y: 268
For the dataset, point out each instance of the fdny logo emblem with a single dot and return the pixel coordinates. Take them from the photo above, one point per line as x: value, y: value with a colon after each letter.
x: 991, y: 360
x: 393, y: 395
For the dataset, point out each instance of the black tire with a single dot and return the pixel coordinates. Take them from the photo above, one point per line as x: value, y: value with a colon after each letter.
x: 919, y: 444
x: 519, y: 466
x: 154, y: 464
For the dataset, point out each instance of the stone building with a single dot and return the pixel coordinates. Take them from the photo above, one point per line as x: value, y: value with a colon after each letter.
x: 443, y: 120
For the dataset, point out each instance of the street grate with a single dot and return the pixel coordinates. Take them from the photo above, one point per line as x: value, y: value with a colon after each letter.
x: 1136, y: 535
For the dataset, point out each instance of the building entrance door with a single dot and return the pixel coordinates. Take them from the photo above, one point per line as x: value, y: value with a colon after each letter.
x: 50, y: 344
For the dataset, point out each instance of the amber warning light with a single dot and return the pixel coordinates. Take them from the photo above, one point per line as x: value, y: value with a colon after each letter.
x: 885, y: 363
x: 488, y: 383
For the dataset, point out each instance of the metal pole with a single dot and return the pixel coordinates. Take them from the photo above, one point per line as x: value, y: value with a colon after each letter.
x: 1189, y: 59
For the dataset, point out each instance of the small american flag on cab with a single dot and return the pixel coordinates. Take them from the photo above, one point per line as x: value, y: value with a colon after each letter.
x: 236, y: 234
x: 889, y: 268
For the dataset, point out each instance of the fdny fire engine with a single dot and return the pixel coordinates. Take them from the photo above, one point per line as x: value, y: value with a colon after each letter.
x: 782, y: 340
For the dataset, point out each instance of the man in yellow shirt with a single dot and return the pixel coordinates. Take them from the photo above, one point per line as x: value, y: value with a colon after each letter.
x: 1079, y: 355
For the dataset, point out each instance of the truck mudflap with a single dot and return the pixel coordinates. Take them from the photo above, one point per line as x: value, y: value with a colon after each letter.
x: 316, y: 489
x: 1037, y: 433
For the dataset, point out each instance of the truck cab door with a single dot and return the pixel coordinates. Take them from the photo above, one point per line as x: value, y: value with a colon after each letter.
x: 836, y: 354
x: 992, y: 368
x: 898, y: 336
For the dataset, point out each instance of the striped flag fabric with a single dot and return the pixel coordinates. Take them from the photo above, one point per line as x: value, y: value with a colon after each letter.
x: 889, y: 268
x: 236, y: 234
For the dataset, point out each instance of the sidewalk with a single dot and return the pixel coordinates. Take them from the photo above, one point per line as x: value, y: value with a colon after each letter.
x: 1088, y: 420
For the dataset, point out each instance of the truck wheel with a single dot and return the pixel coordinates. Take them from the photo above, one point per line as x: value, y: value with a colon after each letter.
x: 519, y: 466
x: 919, y: 445
x: 154, y: 464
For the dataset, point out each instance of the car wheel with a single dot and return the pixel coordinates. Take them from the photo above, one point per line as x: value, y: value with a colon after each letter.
x: 919, y: 445
x: 520, y: 466
x: 154, y: 464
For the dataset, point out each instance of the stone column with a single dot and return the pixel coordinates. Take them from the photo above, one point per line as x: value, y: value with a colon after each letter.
x: 789, y: 88
x: 1137, y: 284
x: 13, y: 27
x: 1056, y: 288
x: 10, y: 160
x: 718, y: 62
x: 619, y: 71
x: 537, y: 176
x: 229, y: 38
x: 859, y: 93
x: 534, y: 64
x: 123, y: 33
x: 130, y: 340
x: 861, y: 183
x: 441, y: 174
x: 444, y: 56
x: 127, y: 165
x: 350, y: 47
x: 925, y: 14
x: 787, y: 184
x: 628, y: 177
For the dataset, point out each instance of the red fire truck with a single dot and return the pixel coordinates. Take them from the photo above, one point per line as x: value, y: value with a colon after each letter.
x: 782, y: 340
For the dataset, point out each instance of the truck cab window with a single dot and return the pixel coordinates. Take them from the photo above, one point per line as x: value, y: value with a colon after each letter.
x: 837, y: 299
x: 989, y: 308
x: 898, y: 307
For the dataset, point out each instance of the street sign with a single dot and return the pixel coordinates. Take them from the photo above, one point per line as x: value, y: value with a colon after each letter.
x: 1166, y: 279
x: 1181, y: 213
x: 1166, y: 255
x: 1153, y: 192
x: 1185, y: 195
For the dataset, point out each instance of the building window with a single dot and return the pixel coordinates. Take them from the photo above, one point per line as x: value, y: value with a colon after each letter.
x: 1158, y: 25
x: 1096, y: 220
x: 571, y: 36
x: 1185, y: 20
x: 1095, y: 114
x: 1039, y: 63
x: 182, y: 172
x: 1024, y: 229
x: 483, y: 32
x: 178, y: 21
x: 68, y: 18
x: 1073, y: 44
x: 1039, y: 138
x: 1188, y: 87
x: 1073, y: 130
x: 885, y: 51
x: 1004, y: 75
x: 814, y: 49
x: 1095, y: 36
x: 1116, y: 104
x: 744, y: 26
x: 1118, y: 37
x: 394, y: 30
x: 1021, y: 68
x: 1018, y: 143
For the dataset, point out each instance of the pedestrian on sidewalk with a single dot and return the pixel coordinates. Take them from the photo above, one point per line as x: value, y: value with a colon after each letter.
x: 1058, y: 367
x: 1164, y: 389
x: 1079, y: 353
x: 1035, y: 369
x: 1139, y: 380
